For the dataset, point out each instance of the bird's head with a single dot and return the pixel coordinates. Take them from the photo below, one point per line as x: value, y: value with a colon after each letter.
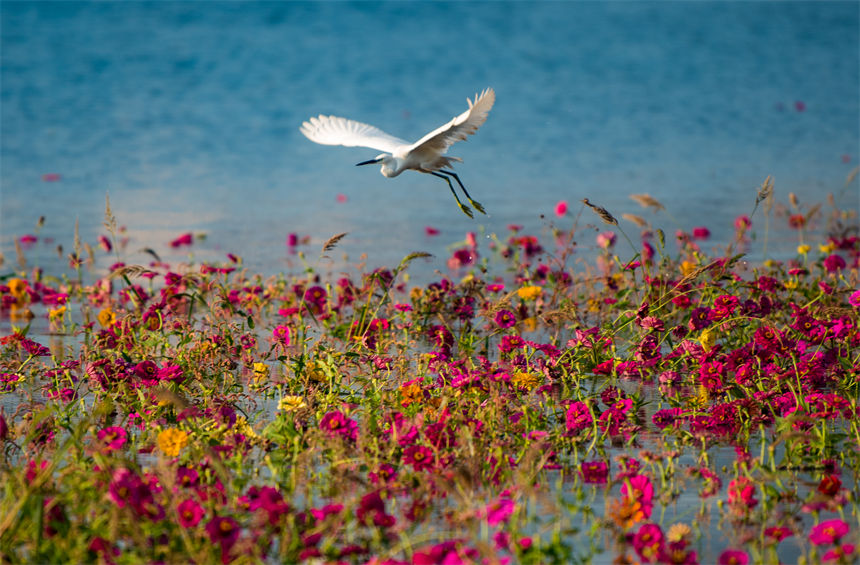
x: 389, y: 164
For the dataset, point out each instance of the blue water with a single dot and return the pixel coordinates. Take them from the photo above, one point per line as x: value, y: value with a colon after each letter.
x: 187, y: 114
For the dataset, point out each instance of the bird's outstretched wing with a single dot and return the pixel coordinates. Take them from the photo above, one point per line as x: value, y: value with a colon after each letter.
x: 332, y: 130
x: 437, y: 141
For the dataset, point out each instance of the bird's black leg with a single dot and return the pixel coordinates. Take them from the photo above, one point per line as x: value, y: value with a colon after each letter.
x: 466, y: 210
x: 474, y: 203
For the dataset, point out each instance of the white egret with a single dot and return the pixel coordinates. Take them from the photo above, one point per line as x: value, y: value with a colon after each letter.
x: 427, y: 155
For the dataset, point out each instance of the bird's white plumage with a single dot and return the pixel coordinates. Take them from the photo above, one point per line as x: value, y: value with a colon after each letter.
x: 332, y: 130
x: 424, y: 153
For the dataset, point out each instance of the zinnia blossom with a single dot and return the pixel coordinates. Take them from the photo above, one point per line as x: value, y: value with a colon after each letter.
x: 828, y: 532
x: 190, y: 513
x: 171, y: 441
x: 529, y: 292
x: 112, y: 438
x: 505, y: 319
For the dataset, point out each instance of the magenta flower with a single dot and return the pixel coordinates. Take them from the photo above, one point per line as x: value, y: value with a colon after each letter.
x: 834, y: 263
x: 112, y: 438
x: 223, y: 531
x: 854, y: 299
x: 419, y: 457
x: 733, y: 557
x: 184, y: 239
x: 337, y: 424
x: 498, y: 511
x: 505, y: 319
x: 190, y: 513
x: 640, y: 489
x: 648, y: 542
x: 828, y: 532
x: 316, y: 295
x: 842, y: 554
x: 561, y: 208
x: 701, y: 232
x: 742, y: 492
x: 578, y: 417
x: 594, y: 472
x: 281, y: 335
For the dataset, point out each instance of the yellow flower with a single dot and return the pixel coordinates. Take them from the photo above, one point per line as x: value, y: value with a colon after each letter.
x: 791, y: 284
x: 291, y: 403
x: 171, y: 441
x: 687, y: 267
x: 17, y: 287
x: 261, y: 371
x: 107, y: 318
x: 707, y: 339
x: 529, y: 292
x: 529, y: 324
x: 529, y: 381
x: 56, y: 313
x: 593, y: 305
x: 803, y: 249
x: 827, y: 248
x: 701, y: 398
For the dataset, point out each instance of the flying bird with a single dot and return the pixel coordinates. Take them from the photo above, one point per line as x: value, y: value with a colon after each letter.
x: 427, y: 155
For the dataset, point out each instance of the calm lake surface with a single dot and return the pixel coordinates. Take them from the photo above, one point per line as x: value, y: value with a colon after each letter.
x: 187, y: 115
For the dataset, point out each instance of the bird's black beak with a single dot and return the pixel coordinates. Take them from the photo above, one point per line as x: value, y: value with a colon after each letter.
x: 372, y: 161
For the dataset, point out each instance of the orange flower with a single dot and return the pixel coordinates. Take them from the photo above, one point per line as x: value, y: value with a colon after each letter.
x: 626, y: 512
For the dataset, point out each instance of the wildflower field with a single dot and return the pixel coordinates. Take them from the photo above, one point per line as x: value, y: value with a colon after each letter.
x: 652, y: 401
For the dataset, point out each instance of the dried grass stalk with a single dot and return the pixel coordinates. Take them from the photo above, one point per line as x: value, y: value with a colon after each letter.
x: 602, y: 212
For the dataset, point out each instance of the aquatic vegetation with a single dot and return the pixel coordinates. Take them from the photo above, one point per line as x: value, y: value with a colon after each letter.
x: 661, y: 407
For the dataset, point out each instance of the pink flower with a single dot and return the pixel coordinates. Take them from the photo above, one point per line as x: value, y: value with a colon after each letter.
x: 594, y: 472
x: 733, y: 557
x: 854, y: 299
x: 429, y: 230
x: 827, y: 532
x: 419, y: 456
x: 606, y: 239
x: 640, y: 489
x: 112, y: 438
x: 184, y: 239
x: 281, y: 334
x: 190, y: 513
x: 505, y: 319
x: 742, y: 492
x: 742, y: 223
x: 498, y: 511
x: 336, y: 424
x: 834, y: 263
x: 105, y: 243
x: 578, y: 417
x: 648, y: 542
x: 842, y: 554
x: 223, y: 531
x: 292, y: 240
x: 51, y: 177
x: 701, y: 232
x: 561, y: 208
x: 777, y: 533
x: 341, y: 198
